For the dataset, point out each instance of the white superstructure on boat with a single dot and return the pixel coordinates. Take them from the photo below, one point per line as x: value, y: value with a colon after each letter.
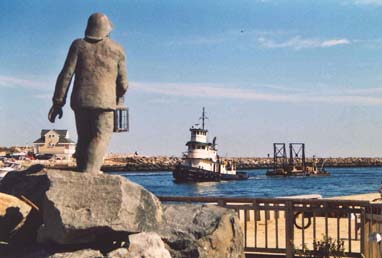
x: 201, y: 161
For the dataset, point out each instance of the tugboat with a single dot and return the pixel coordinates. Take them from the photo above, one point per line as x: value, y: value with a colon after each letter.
x: 201, y: 163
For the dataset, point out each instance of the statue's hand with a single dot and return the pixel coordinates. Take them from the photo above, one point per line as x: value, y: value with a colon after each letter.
x: 120, y: 101
x: 54, y: 112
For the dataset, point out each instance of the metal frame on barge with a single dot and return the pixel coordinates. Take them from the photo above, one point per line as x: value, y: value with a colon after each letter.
x: 296, y: 164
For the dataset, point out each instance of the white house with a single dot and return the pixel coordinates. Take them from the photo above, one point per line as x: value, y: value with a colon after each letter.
x: 55, y: 142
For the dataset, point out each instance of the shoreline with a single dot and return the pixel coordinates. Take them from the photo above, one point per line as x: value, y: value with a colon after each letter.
x: 128, y: 163
x: 165, y: 169
x: 110, y: 169
x: 122, y: 163
x: 358, y: 197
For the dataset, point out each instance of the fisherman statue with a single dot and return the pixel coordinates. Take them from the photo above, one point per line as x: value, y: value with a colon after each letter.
x: 99, y: 66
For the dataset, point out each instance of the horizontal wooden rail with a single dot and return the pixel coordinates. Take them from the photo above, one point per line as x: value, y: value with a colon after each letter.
x: 260, y: 200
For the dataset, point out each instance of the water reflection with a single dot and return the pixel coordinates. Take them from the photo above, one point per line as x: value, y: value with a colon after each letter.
x: 206, y: 188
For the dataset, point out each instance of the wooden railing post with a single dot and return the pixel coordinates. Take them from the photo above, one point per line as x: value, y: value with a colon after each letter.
x: 365, y: 232
x: 289, y: 233
x: 373, y: 222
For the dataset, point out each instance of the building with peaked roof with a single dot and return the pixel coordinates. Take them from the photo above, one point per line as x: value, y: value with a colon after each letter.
x: 55, y: 142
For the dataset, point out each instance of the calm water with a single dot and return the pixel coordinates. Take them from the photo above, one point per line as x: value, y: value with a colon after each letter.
x: 343, y: 181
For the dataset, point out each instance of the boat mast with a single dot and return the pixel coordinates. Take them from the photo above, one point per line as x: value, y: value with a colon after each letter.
x: 203, y: 117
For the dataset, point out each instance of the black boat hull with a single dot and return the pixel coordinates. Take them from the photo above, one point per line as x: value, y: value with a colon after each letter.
x: 190, y: 174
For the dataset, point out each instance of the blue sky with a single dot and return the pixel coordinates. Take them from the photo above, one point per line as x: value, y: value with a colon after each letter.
x: 266, y: 71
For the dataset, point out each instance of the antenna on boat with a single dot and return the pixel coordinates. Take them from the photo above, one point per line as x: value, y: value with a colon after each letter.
x: 203, y: 117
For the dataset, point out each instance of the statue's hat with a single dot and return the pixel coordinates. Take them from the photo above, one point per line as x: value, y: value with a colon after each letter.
x: 99, y: 26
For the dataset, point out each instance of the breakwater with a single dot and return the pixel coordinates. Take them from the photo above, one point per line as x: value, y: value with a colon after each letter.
x: 166, y: 163
x: 162, y: 163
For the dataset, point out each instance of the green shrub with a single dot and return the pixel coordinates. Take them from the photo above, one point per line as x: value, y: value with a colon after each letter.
x: 325, y: 248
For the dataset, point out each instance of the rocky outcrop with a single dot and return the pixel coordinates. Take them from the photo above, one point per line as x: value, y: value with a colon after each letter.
x: 19, y: 216
x: 82, y: 208
x: 146, y: 244
x: 202, y: 231
x: 13, y: 214
x: 87, y: 215
x: 125, y: 163
x: 31, y: 183
x: 140, y: 163
x: 85, y: 253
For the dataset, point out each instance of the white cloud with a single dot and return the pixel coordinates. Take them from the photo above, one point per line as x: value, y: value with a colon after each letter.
x: 271, y: 93
x: 299, y: 42
x: 9, y: 81
x: 200, y: 90
x: 334, y: 42
x: 265, y: 39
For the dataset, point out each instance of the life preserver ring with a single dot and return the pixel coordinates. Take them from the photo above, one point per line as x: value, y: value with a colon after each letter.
x: 297, y: 220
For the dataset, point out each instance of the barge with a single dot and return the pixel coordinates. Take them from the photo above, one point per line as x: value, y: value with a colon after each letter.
x: 296, y: 164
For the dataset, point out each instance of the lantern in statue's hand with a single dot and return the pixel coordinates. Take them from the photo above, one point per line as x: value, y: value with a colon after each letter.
x: 121, y: 117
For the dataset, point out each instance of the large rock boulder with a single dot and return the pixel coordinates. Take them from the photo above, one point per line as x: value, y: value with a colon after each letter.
x: 85, y: 253
x: 31, y: 183
x: 202, y: 231
x: 86, y: 215
x: 146, y: 244
x: 19, y: 219
x: 13, y: 214
x: 82, y: 208
x: 22, y: 251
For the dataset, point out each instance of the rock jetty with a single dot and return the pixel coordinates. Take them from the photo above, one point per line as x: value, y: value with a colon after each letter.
x: 163, y: 163
x: 140, y: 163
x: 75, y: 214
x: 167, y: 163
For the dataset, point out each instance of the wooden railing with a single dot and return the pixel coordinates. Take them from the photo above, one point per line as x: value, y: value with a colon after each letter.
x: 289, y: 226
